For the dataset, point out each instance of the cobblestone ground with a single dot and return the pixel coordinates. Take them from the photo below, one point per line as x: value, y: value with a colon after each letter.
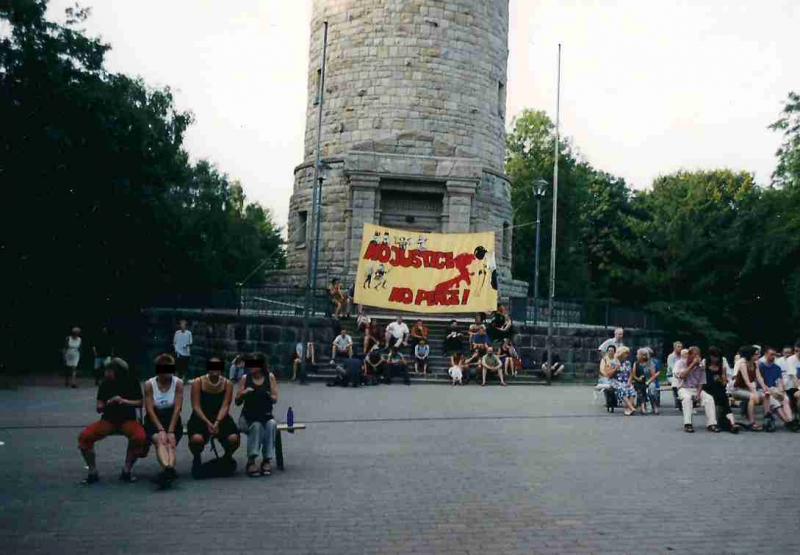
x: 428, y: 469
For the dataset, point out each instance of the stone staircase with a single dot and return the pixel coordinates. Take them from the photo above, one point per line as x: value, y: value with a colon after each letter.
x: 438, y: 361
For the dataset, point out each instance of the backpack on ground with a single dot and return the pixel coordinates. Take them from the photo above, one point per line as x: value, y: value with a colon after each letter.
x: 218, y: 467
x: 611, y: 399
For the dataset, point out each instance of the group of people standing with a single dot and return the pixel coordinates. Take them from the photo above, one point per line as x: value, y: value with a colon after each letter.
x: 120, y: 400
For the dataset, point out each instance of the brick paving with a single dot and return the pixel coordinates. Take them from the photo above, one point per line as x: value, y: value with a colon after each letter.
x: 427, y: 469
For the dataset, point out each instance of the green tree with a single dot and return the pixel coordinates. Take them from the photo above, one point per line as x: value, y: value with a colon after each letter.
x: 787, y: 171
x: 105, y: 210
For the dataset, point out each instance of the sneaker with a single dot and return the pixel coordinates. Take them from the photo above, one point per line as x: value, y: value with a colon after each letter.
x: 127, y: 477
x: 688, y: 428
x: 91, y: 478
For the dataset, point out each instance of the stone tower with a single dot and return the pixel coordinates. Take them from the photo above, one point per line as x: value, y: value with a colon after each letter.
x: 413, y: 132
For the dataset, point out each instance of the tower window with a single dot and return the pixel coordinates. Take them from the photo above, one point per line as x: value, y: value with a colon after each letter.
x: 302, y: 225
x: 501, y: 99
x: 317, y: 83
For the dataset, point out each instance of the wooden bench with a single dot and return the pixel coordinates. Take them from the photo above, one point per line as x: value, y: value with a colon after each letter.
x: 279, y: 441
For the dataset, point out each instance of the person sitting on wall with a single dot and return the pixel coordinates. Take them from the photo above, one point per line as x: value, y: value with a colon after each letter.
x: 490, y: 363
x: 499, y: 325
x: 362, y: 320
x: 453, y: 339
x: 510, y: 358
x: 118, y: 397
x: 554, y: 368
x: 418, y: 333
x: 342, y: 346
x: 338, y: 298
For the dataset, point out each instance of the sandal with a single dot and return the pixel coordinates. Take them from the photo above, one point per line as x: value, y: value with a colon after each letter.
x: 688, y: 428
x: 253, y: 471
x: 713, y: 428
x: 734, y: 429
x: 756, y: 427
x: 266, y: 468
x: 127, y: 477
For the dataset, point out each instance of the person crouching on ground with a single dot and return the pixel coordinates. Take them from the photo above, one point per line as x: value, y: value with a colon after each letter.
x: 490, y: 363
x: 258, y: 392
x: 395, y: 363
x: 211, y: 402
x: 163, y: 400
x: 692, y: 378
x: 118, y: 397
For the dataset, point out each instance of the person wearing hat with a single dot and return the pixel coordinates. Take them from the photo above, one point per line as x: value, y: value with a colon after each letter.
x: 258, y: 392
x: 211, y: 400
x: 163, y: 400
x: 118, y: 397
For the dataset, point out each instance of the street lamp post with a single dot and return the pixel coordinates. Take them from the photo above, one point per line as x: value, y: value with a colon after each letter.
x: 539, y: 191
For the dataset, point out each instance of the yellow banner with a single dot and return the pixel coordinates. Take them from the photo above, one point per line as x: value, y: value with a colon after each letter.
x: 426, y: 272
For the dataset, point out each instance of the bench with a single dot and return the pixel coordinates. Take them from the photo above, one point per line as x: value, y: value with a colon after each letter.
x: 279, y: 441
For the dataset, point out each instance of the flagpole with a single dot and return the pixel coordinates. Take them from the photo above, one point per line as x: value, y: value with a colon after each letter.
x: 554, y: 227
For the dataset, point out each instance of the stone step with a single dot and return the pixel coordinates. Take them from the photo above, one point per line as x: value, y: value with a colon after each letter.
x: 441, y: 379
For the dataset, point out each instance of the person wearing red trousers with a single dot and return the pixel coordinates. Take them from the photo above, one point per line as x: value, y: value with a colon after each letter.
x: 118, y: 397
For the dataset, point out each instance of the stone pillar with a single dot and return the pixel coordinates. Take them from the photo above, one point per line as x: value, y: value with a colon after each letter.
x: 458, y: 205
x: 363, y: 202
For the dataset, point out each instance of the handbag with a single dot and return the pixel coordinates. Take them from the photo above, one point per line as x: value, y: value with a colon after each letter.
x: 218, y: 467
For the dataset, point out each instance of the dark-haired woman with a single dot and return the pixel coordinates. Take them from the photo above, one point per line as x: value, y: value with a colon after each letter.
x: 258, y: 392
x: 716, y: 383
x: 747, y: 379
x: 211, y: 400
x: 163, y: 399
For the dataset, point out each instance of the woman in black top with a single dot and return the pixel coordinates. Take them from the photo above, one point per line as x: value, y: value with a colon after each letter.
x: 258, y: 391
x: 716, y: 381
x: 211, y: 400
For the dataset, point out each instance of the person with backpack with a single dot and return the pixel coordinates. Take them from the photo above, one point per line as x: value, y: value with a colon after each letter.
x: 211, y: 401
x: 258, y: 392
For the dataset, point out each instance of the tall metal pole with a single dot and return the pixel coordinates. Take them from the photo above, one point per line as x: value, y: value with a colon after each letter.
x: 317, y: 180
x: 316, y: 198
x: 536, y: 264
x: 554, y: 227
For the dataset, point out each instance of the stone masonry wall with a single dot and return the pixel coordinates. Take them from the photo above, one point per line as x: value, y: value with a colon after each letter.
x: 417, y: 77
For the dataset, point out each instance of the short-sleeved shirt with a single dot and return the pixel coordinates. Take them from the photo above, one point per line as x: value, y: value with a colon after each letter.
x: 771, y: 373
x: 182, y: 342
x: 343, y: 342
x: 422, y: 351
x: 491, y: 360
x: 694, y: 379
x: 127, y: 388
x: 397, y: 330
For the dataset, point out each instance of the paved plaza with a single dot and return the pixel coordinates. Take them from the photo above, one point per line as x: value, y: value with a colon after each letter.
x: 420, y: 469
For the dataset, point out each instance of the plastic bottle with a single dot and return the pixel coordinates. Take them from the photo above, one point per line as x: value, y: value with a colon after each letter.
x: 290, y: 417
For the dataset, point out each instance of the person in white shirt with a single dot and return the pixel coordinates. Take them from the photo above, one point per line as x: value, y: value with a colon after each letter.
x: 674, y: 357
x: 342, y: 346
x: 397, y: 333
x: 617, y: 341
x: 791, y: 377
x: 182, y: 343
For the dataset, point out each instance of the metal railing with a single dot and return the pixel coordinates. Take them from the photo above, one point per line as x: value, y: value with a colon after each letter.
x: 569, y: 312
x: 265, y: 299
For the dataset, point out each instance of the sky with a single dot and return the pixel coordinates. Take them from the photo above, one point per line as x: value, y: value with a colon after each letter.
x: 647, y: 87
